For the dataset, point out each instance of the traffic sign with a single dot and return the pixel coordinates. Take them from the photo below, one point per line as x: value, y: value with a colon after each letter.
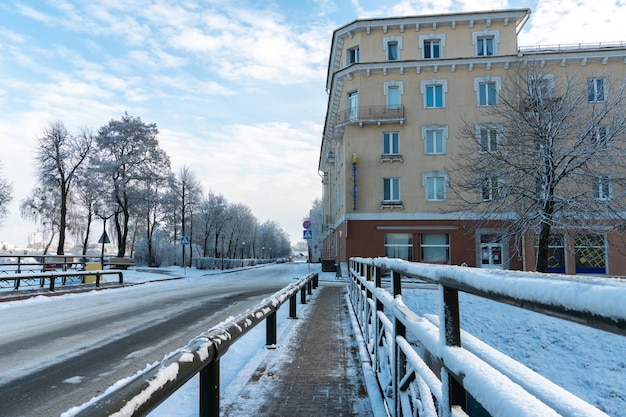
x: 104, y: 238
x: 184, y: 240
x: 307, y: 234
x: 307, y: 225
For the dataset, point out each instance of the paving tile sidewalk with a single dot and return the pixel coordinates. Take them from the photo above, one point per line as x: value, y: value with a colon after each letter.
x: 324, y: 377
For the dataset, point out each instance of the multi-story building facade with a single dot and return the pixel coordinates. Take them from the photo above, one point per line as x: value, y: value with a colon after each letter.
x: 401, y: 91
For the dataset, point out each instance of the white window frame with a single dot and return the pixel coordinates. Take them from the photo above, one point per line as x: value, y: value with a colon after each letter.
x: 443, y: 130
x: 542, y: 91
x: 425, y: 84
x: 594, y: 96
x: 432, y: 37
x: 397, y: 40
x: 490, y: 187
x: 353, y: 105
x: 399, y: 86
x: 432, y: 196
x: 602, y: 188
x: 389, y: 138
x: 353, y: 55
x: 394, y: 190
x: 483, y: 81
x: 489, y: 127
x: 493, y: 34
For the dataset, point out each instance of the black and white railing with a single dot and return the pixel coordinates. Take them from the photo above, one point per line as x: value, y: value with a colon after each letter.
x: 428, y: 366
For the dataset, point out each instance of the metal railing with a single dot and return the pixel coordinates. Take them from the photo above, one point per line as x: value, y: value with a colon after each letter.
x: 143, y: 392
x: 571, y: 47
x: 41, y: 277
x: 424, y: 369
x: 370, y: 114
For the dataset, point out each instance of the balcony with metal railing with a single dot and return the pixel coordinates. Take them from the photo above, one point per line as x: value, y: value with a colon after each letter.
x: 370, y: 115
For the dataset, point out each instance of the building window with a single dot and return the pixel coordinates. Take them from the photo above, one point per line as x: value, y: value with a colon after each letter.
x: 556, y: 253
x: 490, y: 187
x: 487, y: 90
x: 435, y: 248
x: 541, y: 87
x: 393, y: 91
x: 484, y: 46
x: 491, y: 252
x: 434, y: 93
x: 391, y: 189
x: 602, y: 188
x: 392, y: 46
x: 488, y: 137
x: 393, y: 98
x: 434, y: 139
x: 432, y: 45
x: 590, y: 254
x: 353, y: 55
x: 486, y: 42
x: 435, y: 186
x: 353, y: 105
x: 432, y: 49
x: 596, y: 90
x: 487, y: 94
x: 600, y: 137
x: 399, y: 245
x: 391, y: 143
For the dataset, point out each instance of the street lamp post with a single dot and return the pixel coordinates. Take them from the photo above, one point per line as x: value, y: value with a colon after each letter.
x: 104, y: 238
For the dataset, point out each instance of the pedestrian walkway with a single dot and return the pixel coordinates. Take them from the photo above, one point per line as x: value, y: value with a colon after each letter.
x: 323, y: 375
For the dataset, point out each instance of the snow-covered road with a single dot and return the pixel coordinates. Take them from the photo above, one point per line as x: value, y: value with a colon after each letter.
x: 60, y: 351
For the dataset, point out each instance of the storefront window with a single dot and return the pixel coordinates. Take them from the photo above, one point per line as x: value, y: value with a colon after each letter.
x: 590, y: 254
x: 399, y: 245
x: 435, y: 248
x: 556, y: 253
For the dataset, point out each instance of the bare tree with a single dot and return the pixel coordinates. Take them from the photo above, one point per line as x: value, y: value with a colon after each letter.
x: 549, y: 156
x: 6, y: 195
x: 60, y: 156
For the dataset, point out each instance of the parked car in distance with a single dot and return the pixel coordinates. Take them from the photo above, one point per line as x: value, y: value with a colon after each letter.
x: 280, y: 261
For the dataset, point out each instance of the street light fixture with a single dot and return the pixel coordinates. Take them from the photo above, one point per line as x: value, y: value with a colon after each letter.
x: 104, y: 238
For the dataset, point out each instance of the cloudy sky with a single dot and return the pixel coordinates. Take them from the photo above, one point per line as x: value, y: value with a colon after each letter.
x: 236, y: 88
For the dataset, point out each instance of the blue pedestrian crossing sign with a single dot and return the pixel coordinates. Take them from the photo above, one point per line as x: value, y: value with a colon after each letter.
x: 184, y: 240
x: 307, y: 234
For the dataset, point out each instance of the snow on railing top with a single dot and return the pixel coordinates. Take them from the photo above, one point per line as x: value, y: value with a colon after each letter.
x: 594, y: 301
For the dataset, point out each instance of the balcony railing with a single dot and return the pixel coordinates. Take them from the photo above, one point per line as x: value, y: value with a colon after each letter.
x: 371, y: 115
x: 571, y: 47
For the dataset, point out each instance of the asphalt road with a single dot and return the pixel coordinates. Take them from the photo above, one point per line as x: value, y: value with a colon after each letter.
x: 68, y: 349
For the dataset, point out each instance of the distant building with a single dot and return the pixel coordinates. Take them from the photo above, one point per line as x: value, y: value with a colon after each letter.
x: 399, y: 89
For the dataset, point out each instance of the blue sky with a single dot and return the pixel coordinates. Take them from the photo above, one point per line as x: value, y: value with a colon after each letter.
x: 235, y: 88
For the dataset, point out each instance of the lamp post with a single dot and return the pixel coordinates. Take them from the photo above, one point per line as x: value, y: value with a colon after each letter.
x: 104, y: 239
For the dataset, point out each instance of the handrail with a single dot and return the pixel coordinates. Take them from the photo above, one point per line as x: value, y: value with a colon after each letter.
x: 467, y: 372
x: 141, y: 393
x: 52, y: 276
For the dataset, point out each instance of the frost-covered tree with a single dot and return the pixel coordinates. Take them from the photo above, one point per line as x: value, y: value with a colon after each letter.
x: 210, y: 218
x: 189, y: 193
x: 60, y: 156
x: 549, y: 156
x: 41, y: 206
x: 6, y: 195
x: 129, y: 157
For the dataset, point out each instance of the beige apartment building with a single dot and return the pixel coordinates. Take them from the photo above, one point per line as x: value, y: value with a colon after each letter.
x: 401, y: 93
